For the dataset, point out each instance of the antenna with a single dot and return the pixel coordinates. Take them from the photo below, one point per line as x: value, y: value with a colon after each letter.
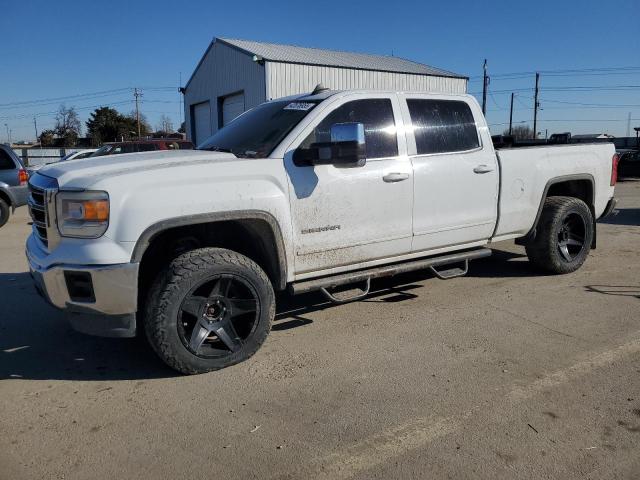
x: 319, y: 88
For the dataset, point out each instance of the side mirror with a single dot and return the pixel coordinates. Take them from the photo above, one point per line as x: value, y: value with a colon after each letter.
x: 347, y: 148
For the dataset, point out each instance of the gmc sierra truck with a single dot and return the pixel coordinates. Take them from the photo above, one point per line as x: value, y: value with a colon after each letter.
x: 323, y: 191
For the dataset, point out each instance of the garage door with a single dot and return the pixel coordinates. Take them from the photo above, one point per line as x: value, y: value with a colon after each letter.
x: 202, y: 119
x: 232, y: 106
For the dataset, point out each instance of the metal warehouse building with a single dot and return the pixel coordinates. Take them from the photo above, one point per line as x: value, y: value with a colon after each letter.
x: 236, y: 75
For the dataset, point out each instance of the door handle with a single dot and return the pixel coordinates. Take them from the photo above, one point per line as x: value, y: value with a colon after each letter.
x: 483, y: 169
x: 395, y: 177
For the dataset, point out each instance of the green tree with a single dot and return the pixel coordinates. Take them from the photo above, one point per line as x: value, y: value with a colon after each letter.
x: 47, y: 138
x: 106, y: 124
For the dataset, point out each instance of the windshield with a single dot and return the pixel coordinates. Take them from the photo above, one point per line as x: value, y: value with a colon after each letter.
x: 104, y: 150
x: 255, y: 133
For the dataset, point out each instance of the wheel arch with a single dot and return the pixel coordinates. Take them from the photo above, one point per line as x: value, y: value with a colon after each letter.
x: 580, y: 186
x: 5, y: 194
x: 260, y: 232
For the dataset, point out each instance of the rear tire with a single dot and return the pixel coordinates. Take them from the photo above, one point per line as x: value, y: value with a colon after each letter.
x: 563, y: 236
x: 211, y: 308
x: 5, y: 212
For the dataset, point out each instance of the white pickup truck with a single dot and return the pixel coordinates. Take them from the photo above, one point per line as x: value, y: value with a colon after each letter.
x: 323, y: 191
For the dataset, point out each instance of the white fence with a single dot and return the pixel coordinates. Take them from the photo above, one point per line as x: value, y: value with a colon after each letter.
x: 40, y: 156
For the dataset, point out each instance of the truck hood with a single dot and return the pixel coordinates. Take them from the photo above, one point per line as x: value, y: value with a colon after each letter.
x: 87, y: 171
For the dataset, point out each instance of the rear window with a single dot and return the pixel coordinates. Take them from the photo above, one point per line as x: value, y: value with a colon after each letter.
x: 442, y: 126
x: 6, y: 162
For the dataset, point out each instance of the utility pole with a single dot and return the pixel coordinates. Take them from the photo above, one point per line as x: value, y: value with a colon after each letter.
x: 137, y: 94
x: 511, y: 115
x: 536, y: 104
x: 485, y: 83
x: 629, y: 125
x: 35, y: 125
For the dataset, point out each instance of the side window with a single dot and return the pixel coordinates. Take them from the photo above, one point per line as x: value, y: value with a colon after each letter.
x: 376, y: 114
x: 129, y: 148
x: 6, y: 162
x: 442, y: 126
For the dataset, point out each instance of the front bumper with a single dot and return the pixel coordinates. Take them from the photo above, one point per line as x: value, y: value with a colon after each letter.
x: 104, y: 303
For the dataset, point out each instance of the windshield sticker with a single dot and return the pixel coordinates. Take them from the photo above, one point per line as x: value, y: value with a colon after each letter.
x: 304, y: 106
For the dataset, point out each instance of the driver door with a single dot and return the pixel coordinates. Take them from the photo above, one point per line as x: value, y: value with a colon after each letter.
x: 345, y: 215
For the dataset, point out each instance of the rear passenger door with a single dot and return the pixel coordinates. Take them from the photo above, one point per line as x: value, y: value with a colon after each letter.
x: 455, y: 172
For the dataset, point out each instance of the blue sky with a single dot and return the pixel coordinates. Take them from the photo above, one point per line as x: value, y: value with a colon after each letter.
x: 65, y: 48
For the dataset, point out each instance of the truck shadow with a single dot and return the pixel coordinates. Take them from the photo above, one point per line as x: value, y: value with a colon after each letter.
x: 502, y: 264
x: 37, y: 343
x: 623, y: 216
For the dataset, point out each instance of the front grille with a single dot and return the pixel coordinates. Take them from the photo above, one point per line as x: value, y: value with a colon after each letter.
x: 38, y: 211
x: 41, y: 188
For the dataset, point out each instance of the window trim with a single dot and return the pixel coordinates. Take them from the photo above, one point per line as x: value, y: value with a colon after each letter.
x: 326, y: 107
x: 412, y: 146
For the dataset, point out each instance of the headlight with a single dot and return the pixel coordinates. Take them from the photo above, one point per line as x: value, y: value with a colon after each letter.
x: 82, y: 214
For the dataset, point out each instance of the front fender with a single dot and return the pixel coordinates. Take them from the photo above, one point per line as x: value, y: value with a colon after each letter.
x: 152, y: 231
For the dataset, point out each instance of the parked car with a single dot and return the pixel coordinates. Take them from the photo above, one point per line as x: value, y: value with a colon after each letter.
x: 629, y: 163
x: 116, y: 148
x: 324, y: 191
x: 13, y: 183
x: 71, y: 156
x: 87, y: 152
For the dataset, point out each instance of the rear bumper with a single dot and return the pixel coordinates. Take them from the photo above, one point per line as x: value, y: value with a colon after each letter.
x: 20, y: 195
x: 17, y: 195
x: 99, y: 300
x: 611, y: 205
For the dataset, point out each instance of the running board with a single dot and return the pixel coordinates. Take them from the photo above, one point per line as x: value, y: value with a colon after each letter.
x: 326, y: 283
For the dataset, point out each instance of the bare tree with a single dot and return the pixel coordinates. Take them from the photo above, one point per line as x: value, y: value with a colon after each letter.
x: 165, y: 125
x: 68, y: 126
x: 145, y: 128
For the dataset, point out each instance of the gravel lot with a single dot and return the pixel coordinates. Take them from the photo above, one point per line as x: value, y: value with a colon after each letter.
x: 500, y: 374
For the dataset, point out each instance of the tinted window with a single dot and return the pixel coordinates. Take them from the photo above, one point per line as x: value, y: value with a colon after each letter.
x: 379, y: 126
x: 257, y: 132
x: 6, y: 162
x: 442, y: 126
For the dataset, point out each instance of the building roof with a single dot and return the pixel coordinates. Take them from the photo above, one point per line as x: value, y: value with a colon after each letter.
x: 314, y: 56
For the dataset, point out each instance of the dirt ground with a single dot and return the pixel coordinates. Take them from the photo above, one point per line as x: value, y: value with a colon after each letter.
x: 500, y: 374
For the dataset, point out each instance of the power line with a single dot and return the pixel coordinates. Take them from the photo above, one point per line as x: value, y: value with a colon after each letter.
x: 43, y: 101
x: 567, y: 72
x: 54, y: 112
x: 573, y: 120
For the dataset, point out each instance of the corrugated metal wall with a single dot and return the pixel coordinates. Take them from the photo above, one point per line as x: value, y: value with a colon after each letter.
x: 288, y: 79
x: 223, y: 71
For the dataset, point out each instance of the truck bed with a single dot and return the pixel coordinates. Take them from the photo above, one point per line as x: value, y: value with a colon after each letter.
x: 526, y: 173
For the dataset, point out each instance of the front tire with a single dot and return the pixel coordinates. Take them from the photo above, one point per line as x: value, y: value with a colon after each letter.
x: 5, y: 212
x: 211, y: 308
x: 563, y: 236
